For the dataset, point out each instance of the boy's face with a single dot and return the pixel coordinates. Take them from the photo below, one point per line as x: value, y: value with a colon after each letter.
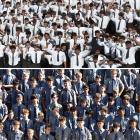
x: 33, y: 83
x: 80, y: 124
x: 102, y: 89
x: 47, y: 130
x: 86, y: 90
x: 62, y: 122
x: 16, y: 126
x: 35, y: 101
x: 50, y: 83
x: 133, y: 125
x: 19, y: 99
x: 121, y: 112
x: 11, y: 115
x: 30, y: 134
x: 125, y: 101
x: 100, y: 124
x: 98, y: 80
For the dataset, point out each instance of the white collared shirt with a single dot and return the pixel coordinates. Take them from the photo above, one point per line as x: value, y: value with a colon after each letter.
x: 54, y: 53
x: 131, y: 59
x: 11, y: 61
x: 32, y: 54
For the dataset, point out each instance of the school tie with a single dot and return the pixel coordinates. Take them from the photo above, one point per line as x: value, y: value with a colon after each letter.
x: 115, y: 53
x: 91, y: 14
x: 102, y: 23
x: 95, y: 65
x: 61, y: 82
x: 26, y: 127
x: 78, y: 31
x: 13, y: 59
x: 33, y: 91
x: 34, y: 30
x: 35, y: 57
x: 13, y: 30
x: 100, y: 135
x: 73, y: 123
x: 127, y: 54
x: 23, y: 19
x: 47, y: 137
x: 38, y: 9
x: 80, y: 135
x: 116, y: 136
x: 8, y: 38
x: 88, y: 123
x: 78, y: 87
x: 93, y: 32
x: 119, y: 24
x: 132, y: 135
x: 19, y: 112
x: 97, y: 88
x: 63, y: 132
x: 35, y: 112
x: 57, y: 56
x: 129, y: 80
x: 59, y: 42
x: 77, y: 60
x: 120, y: 2
x: 23, y: 87
x: 18, y: 39
x: 135, y: 4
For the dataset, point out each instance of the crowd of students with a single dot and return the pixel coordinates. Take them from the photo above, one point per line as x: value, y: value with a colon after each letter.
x: 69, y: 33
x: 80, y: 104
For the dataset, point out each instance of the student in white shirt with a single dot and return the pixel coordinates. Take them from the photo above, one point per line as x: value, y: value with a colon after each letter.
x: 120, y: 23
x: 35, y: 56
x: 13, y: 53
x: 128, y: 57
x: 77, y: 57
x: 58, y: 57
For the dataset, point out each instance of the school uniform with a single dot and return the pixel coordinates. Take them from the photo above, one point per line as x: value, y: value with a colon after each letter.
x: 100, y: 134
x: 12, y: 96
x: 15, y: 135
x: 13, y: 58
x: 17, y: 109
x: 46, y: 137
x: 77, y: 61
x: 34, y: 110
x: 25, y: 125
x: 115, y: 136
x: 58, y: 58
x: 30, y: 92
x: 113, y: 84
x: 129, y: 110
x: 128, y: 56
x: 68, y: 96
x: 81, y: 134
x: 36, y: 57
x: 3, y: 136
x: 72, y: 122
x: 132, y: 134
x: 8, y: 125
x: 63, y: 133
x: 136, y: 116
